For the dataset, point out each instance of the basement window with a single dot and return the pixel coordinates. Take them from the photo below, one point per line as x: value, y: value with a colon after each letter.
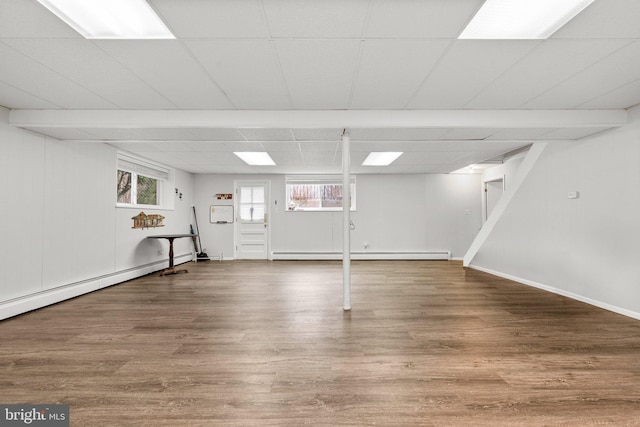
x: 317, y: 193
x: 141, y: 183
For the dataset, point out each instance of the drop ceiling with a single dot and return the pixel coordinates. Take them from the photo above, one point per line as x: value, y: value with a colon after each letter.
x: 324, y: 58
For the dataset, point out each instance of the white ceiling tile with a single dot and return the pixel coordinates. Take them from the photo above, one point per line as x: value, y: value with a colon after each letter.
x: 318, y: 73
x: 286, y: 158
x: 13, y: 98
x: 267, y: 134
x: 609, y: 74
x: 325, y: 19
x: 390, y: 71
x: 312, y: 158
x: 170, y: 70
x: 308, y: 147
x: 206, y: 18
x: 466, y: 69
x: 244, y: 146
x: 246, y: 70
x: 29, y: 19
x: 81, y: 61
x: 604, y: 19
x: 419, y: 18
x: 206, y: 147
x: 549, y: 64
x: 291, y: 146
x: 625, y: 95
x: 23, y: 73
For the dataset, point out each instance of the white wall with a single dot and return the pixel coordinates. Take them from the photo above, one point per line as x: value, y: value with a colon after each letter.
x: 61, y: 232
x: 586, y: 248
x: 395, y: 213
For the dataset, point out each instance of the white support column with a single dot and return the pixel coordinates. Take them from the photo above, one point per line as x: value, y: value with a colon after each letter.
x: 346, y: 221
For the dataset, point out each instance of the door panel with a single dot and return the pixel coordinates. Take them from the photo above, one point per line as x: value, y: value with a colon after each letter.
x: 252, y: 226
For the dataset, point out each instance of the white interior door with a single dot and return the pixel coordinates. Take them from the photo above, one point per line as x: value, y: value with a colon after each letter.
x: 252, y: 221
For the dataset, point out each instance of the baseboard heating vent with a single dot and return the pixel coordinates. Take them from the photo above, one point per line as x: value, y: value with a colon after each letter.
x: 430, y: 255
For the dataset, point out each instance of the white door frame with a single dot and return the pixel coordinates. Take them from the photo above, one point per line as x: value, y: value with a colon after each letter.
x: 485, y: 195
x: 236, y: 231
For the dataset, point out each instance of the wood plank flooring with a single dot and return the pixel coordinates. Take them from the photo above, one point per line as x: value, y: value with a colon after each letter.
x: 252, y: 343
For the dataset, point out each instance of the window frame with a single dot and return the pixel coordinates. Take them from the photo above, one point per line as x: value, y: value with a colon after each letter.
x: 318, y: 180
x: 137, y: 166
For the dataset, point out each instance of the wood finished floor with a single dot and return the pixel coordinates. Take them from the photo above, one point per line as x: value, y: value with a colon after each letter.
x: 267, y: 344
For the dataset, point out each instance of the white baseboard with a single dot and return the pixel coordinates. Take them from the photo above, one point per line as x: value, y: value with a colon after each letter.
x: 294, y: 256
x: 20, y: 305
x: 577, y: 297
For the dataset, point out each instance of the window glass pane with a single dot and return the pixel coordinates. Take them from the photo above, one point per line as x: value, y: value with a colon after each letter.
x: 124, y: 187
x: 147, y: 191
x: 245, y: 194
x: 258, y: 195
x: 332, y: 196
x: 317, y: 196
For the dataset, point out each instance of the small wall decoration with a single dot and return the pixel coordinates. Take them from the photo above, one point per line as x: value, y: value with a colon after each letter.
x: 225, y: 196
x: 142, y: 220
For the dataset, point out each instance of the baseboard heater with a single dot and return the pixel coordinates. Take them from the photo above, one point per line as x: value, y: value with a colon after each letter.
x: 25, y: 303
x: 430, y: 255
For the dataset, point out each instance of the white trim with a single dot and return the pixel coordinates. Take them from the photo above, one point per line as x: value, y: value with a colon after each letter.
x: 334, y: 255
x: 577, y: 297
x: 317, y: 119
x: 16, y: 306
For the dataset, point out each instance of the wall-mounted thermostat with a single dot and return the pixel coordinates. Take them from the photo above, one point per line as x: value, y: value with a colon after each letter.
x: 574, y: 194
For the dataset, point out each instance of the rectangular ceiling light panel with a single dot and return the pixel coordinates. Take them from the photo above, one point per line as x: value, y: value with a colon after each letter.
x: 110, y: 19
x: 522, y: 19
x: 381, y: 158
x: 255, y: 158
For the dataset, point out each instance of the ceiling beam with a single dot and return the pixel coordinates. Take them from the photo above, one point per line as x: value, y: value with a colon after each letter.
x: 317, y: 119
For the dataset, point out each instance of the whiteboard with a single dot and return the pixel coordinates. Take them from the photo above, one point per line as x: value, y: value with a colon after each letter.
x: 221, y: 214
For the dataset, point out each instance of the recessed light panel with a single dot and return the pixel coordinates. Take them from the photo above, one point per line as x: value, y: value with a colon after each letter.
x: 256, y: 158
x: 522, y: 19
x: 381, y: 158
x: 110, y: 19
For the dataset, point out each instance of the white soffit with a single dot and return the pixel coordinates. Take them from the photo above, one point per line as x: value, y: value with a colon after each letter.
x: 318, y: 119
